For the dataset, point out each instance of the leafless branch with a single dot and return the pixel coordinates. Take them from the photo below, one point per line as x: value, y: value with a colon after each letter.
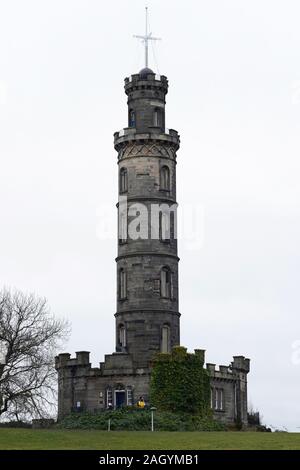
x: 30, y: 337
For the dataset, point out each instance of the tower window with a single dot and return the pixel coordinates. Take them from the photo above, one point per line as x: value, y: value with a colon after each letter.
x: 122, y: 336
x: 165, y: 178
x: 165, y: 339
x: 157, y: 117
x: 123, y: 180
x: 122, y: 227
x: 166, y: 283
x: 131, y: 118
x: 220, y: 398
x: 217, y: 399
x: 164, y: 227
x: 122, y: 284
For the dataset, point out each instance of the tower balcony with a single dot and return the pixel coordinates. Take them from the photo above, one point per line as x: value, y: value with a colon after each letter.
x: 130, y: 135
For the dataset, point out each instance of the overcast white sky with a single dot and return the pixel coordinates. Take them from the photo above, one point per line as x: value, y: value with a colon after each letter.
x: 234, y: 75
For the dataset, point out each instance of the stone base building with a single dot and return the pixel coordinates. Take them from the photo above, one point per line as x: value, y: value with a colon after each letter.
x: 147, y: 318
x: 86, y: 388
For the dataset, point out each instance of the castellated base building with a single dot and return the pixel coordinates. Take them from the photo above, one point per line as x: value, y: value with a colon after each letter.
x: 147, y: 319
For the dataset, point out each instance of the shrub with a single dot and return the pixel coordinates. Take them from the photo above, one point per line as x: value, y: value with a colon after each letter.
x: 15, y: 424
x: 132, y: 419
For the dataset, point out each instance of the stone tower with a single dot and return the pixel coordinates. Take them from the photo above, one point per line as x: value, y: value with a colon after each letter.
x: 147, y: 318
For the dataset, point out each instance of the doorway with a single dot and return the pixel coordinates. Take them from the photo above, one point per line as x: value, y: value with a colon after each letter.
x: 119, y: 398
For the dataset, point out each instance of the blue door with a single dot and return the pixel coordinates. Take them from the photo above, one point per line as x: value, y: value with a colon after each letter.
x: 120, y: 398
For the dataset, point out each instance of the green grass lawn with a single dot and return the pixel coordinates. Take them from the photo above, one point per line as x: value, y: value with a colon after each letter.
x: 102, y: 440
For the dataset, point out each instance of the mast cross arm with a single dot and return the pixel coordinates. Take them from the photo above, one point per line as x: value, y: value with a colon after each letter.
x: 147, y: 37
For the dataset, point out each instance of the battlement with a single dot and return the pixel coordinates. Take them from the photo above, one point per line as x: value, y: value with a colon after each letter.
x: 116, y: 364
x: 239, y: 364
x: 146, y: 80
x: 201, y: 354
x: 64, y: 360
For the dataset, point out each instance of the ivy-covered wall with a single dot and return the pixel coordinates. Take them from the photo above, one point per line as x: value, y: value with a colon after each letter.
x: 179, y: 383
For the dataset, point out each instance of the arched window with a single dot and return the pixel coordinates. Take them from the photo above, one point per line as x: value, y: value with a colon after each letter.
x: 165, y: 178
x: 122, y: 336
x: 157, y: 117
x: 164, y: 226
x: 166, y: 282
x: 165, y: 339
x: 123, y: 180
x: 131, y: 118
x: 122, y: 284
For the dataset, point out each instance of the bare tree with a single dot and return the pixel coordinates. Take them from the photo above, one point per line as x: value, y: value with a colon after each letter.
x: 29, y: 339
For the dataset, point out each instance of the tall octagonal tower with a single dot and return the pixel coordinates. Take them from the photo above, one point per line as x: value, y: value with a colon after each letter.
x: 147, y: 317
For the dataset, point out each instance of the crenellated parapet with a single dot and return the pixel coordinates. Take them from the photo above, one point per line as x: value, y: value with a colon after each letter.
x: 64, y: 360
x: 146, y: 80
x: 240, y: 364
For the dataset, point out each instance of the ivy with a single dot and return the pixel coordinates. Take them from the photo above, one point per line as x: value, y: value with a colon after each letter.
x: 179, y: 382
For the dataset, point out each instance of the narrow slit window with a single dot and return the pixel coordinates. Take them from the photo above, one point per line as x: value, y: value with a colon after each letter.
x: 122, y: 336
x: 123, y: 227
x: 165, y: 282
x: 165, y: 339
x: 123, y: 284
x: 157, y: 117
x: 165, y: 178
x: 131, y: 118
x: 164, y: 227
x: 123, y: 180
